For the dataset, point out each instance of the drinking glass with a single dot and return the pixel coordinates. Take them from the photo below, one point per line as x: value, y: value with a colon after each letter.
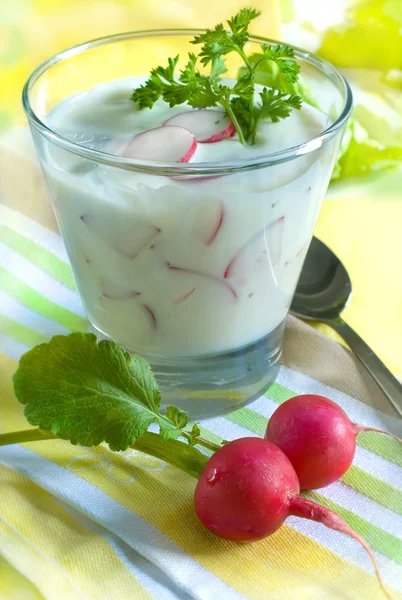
x: 193, y: 265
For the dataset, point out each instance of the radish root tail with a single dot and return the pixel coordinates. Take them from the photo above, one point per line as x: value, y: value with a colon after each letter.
x: 361, y: 428
x: 301, y: 507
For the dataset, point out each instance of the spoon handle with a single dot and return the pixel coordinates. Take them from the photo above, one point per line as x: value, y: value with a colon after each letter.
x: 383, y: 376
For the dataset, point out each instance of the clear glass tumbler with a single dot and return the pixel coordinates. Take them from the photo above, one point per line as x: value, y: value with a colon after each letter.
x: 191, y: 265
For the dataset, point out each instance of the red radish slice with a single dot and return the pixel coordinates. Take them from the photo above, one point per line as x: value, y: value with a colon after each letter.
x: 116, y: 292
x: 184, y: 296
x: 206, y: 276
x: 140, y: 238
x: 208, y: 220
x: 208, y: 126
x: 263, y: 246
x: 151, y: 315
x: 167, y: 144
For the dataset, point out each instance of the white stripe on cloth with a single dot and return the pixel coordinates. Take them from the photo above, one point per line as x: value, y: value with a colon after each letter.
x: 34, y: 231
x: 148, y: 541
x: 23, y: 315
x: 12, y: 348
x: 37, y: 279
x: 147, y: 574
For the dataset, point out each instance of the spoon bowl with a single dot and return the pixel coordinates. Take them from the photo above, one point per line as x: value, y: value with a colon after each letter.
x: 324, y: 287
x: 323, y: 291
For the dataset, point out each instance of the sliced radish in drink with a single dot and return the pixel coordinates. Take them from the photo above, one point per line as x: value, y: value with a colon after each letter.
x: 184, y: 296
x: 151, y: 315
x: 205, y: 276
x: 208, y: 220
x: 165, y: 144
x: 128, y: 240
x: 208, y: 126
x: 116, y: 292
x: 140, y: 238
x: 264, y: 246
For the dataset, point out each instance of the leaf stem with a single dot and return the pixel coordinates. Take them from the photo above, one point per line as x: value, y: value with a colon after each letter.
x: 244, y: 57
x: 28, y: 435
x: 176, y: 453
x: 235, y: 122
x: 201, y: 441
x: 251, y: 71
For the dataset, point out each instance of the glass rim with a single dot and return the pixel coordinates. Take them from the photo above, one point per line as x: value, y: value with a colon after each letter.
x: 201, y: 168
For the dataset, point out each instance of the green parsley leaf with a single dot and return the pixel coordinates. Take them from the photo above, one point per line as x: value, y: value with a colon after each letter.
x: 267, y: 73
x: 276, y: 104
x: 242, y: 20
x: 283, y: 56
x: 203, y: 91
x: 89, y: 392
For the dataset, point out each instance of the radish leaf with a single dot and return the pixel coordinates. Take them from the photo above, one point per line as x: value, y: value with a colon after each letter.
x: 89, y: 392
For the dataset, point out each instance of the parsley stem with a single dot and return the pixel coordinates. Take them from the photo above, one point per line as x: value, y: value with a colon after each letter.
x: 179, y: 454
x: 235, y: 122
x: 244, y: 57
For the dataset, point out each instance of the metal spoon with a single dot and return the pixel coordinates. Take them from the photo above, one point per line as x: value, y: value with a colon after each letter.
x: 323, y: 291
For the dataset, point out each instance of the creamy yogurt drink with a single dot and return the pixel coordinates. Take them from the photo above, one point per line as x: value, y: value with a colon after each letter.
x: 183, y: 268
x: 186, y: 244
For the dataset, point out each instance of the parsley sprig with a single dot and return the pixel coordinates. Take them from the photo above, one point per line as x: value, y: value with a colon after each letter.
x: 239, y: 101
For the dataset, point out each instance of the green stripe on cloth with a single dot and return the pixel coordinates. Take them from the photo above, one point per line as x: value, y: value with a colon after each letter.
x: 377, y: 538
x: 374, y: 488
x: 39, y: 256
x: 249, y: 419
x: 382, y: 445
x: 20, y: 333
x: 39, y: 303
x: 356, y: 478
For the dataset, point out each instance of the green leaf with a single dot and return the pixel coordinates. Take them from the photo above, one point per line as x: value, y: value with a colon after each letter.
x: 276, y: 104
x: 218, y: 67
x: 239, y: 25
x: 89, y: 392
x: 243, y: 19
x: 203, y: 91
x: 359, y: 155
x: 282, y: 55
x: 177, y: 416
x: 267, y: 73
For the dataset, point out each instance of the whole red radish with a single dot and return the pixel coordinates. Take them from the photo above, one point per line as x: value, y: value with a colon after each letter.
x: 247, y: 490
x: 317, y: 436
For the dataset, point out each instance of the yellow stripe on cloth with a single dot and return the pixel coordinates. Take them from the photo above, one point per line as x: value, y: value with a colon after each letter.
x: 51, y: 550
x: 14, y: 586
x: 286, y: 565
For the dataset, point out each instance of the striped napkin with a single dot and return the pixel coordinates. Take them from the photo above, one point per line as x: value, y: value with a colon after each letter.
x: 92, y: 524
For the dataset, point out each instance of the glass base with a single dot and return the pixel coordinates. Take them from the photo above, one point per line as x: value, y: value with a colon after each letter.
x: 212, y: 385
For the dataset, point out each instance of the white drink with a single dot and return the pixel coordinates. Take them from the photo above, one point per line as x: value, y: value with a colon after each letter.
x: 176, y: 267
